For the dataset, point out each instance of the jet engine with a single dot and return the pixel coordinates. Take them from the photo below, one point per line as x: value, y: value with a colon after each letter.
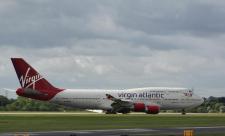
x: 139, y: 107
x: 152, y: 109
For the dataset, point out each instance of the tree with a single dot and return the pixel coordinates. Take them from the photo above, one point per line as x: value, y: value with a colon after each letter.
x: 217, y: 106
x: 201, y: 110
x: 222, y: 109
x: 4, y: 101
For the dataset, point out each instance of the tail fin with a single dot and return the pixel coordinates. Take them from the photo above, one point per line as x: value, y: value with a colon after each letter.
x: 32, y: 83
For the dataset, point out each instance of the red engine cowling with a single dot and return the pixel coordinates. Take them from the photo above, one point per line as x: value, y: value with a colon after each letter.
x: 20, y: 91
x: 139, y: 107
x: 152, y: 109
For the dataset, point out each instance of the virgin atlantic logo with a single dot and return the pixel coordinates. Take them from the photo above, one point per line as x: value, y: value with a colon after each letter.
x: 27, y: 81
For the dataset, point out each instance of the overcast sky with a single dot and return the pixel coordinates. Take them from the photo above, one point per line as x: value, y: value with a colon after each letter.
x: 116, y: 44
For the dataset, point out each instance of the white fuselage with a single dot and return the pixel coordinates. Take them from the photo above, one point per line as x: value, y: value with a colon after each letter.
x: 149, y: 100
x: 165, y: 98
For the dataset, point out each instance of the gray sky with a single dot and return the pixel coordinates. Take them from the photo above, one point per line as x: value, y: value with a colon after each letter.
x: 116, y: 44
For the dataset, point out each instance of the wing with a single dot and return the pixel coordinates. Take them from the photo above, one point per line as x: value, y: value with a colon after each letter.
x: 119, y: 105
x: 7, y: 89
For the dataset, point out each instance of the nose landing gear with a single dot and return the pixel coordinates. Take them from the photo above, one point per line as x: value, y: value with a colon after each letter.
x: 183, y: 112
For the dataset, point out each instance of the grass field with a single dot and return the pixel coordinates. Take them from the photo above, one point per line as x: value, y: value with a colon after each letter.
x: 13, y: 122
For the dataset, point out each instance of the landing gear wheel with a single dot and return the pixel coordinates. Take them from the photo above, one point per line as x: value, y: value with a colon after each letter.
x: 183, y: 112
x: 125, y: 112
x: 110, y: 112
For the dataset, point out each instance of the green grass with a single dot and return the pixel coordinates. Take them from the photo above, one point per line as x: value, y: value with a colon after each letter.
x: 59, y: 122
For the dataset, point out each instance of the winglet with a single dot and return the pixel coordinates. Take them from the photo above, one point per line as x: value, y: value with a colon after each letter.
x: 110, y: 97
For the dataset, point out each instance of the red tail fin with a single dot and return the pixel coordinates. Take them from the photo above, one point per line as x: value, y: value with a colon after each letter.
x: 32, y: 83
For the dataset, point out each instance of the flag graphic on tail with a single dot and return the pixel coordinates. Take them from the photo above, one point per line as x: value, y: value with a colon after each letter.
x: 32, y: 83
x: 27, y: 81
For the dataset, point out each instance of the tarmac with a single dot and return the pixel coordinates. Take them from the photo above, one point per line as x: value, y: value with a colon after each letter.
x: 124, y: 132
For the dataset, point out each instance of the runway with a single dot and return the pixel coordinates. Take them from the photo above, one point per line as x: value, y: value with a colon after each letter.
x: 124, y: 132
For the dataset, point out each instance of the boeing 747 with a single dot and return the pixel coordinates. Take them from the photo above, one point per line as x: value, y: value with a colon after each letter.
x: 149, y: 100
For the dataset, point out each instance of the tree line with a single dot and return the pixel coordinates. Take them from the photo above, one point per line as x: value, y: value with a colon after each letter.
x: 210, y: 105
x: 25, y: 104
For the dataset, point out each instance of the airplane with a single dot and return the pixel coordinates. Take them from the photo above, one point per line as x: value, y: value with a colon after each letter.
x: 149, y: 100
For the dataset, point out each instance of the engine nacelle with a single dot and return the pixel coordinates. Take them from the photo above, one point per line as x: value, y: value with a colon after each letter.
x: 30, y: 93
x: 20, y: 91
x: 139, y: 107
x: 152, y: 109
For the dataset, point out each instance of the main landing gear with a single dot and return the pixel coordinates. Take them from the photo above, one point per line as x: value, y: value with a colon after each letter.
x: 110, y: 112
x: 183, y: 112
x: 114, y: 112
